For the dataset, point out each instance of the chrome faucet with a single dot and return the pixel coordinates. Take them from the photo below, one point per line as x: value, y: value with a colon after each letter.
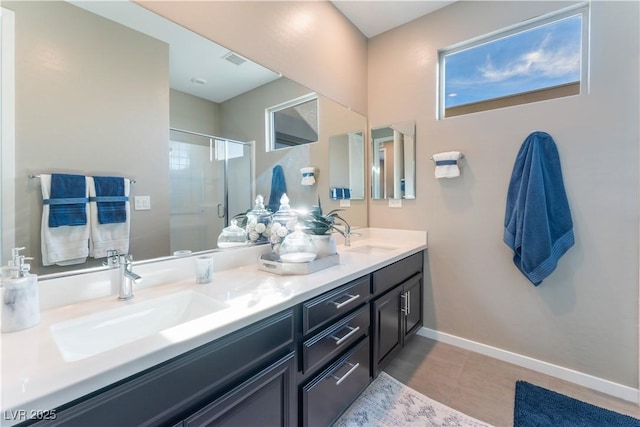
x: 122, y: 276
x: 346, y: 232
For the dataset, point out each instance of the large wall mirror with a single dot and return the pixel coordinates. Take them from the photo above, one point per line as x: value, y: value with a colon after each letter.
x: 393, y: 168
x: 103, y: 88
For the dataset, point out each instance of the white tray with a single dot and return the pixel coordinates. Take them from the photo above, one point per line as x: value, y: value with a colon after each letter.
x: 272, y: 264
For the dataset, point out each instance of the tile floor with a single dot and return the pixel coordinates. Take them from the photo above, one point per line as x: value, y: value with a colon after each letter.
x: 478, y: 385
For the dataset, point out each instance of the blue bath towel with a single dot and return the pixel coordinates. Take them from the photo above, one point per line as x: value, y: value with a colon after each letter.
x: 67, y: 200
x: 537, y: 224
x: 278, y: 188
x: 110, y: 199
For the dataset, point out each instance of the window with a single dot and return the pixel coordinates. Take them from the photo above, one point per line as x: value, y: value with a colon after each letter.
x: 293, y: 123
x: 541, y: 59
x: 179, y: 158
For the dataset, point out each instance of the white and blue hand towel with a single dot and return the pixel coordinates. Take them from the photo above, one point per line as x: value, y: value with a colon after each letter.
x: 447, y: 164
x: 110, y: 228
x: 64, y: 233
x: 110, y: 199
x: 308, y: 175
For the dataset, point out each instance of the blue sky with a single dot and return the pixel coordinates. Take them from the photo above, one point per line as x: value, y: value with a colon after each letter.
x: 541, y: 57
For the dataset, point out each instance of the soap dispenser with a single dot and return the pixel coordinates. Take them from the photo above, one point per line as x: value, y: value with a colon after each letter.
x: 20, y: 302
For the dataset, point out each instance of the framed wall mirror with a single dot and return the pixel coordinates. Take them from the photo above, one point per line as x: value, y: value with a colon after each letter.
x: 109, y: 95
x: 393, y: 161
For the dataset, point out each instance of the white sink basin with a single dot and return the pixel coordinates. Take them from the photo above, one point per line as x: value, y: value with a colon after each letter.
x: 372, y: 249
x: 86, y: 336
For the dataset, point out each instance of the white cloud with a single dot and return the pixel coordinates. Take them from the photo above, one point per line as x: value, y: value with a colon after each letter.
x: 545, y: 60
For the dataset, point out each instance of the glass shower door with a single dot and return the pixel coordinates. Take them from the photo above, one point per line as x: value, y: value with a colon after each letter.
x: 196, y: 192
x: 239, y: 173
x: 210, y: 182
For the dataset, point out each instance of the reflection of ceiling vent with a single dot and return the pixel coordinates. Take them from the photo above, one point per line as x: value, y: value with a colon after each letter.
x: 234, y: 59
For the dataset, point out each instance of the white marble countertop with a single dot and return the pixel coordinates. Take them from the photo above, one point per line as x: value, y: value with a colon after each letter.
x: 35, y: 377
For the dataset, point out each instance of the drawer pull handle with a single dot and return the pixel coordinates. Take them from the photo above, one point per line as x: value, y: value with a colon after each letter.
x: 349, y: 372
x: 350, y: 300
x: 350, y: 333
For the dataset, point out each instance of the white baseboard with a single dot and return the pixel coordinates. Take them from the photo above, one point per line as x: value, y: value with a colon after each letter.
x: 605, y: 386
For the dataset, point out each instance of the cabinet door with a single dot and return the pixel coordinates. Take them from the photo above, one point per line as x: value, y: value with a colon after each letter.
x: 387, y: 328
x: 412, y: 315
x: 267, y: 399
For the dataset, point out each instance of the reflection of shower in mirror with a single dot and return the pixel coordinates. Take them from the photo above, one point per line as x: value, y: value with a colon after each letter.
x: 209, y: 182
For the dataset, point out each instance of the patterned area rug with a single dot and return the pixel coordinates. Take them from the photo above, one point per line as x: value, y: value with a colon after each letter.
x: 389, y: 403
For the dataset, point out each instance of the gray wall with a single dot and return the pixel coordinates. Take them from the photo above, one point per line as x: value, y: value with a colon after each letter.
x: 243, y: 118
x: 87, y: 102
x: 585, y: 315
x: 194, y: 114
x: 339, y: 161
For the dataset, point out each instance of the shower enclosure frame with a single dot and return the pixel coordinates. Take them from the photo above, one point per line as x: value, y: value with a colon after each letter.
x: 225, y: 185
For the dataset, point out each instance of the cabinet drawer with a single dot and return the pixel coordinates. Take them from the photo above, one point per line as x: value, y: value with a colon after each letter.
x: 321, y: 311
x: 330, y: 342
x: 387, y: 277
x: 328, y: 395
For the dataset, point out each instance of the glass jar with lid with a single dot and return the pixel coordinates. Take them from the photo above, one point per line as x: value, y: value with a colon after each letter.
x: 283, y: 222
x: 297, y: 247
x: 232, y: 236
x: 258, y: 226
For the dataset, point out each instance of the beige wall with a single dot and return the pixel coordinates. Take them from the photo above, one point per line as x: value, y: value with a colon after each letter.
x: 87, y: 102
x: 585, y: 315
x: 309, y: 42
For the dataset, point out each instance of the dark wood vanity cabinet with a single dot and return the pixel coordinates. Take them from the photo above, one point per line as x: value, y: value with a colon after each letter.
x: 335, y: 352
x: 368, y: 335
x: 396, y: 310
x: 301, y: 367
x: 250, y: 369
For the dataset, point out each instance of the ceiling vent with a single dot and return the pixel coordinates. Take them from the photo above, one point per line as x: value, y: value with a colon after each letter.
x: 234, y: 58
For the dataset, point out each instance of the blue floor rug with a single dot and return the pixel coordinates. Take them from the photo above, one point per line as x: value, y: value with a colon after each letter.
x: 537, y: 406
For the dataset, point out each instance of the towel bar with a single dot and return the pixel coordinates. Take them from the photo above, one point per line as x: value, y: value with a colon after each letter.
x: 31, y: 176
x: 461, y: 156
